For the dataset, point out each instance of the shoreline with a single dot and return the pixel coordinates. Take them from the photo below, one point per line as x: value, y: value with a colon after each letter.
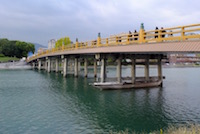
x: 14, y: 65
x: 24, y: 65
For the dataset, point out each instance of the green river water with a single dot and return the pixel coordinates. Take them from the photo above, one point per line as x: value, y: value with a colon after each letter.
x: 34, y: 102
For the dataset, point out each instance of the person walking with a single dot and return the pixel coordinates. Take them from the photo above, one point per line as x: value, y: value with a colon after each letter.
x: 163, y: 31
x: 130, y: 36
x: 135, y: 35
x: 156, y: 32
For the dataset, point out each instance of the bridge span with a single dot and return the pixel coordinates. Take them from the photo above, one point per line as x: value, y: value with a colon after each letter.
x: 139, y: 48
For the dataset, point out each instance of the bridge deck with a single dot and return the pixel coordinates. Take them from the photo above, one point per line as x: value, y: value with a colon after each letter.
x: 163, y: 47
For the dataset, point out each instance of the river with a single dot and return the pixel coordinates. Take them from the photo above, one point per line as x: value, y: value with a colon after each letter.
x: 37, y: 102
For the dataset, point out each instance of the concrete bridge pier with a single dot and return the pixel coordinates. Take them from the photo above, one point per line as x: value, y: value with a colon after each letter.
x: 57, y: 65
x: 95, y: 68
x: 119, y: 69
x: 147, y: 69
x: 33, y: 65
x: 53, y: 64
x: 160, y: 76
x: 65, y: 66
x: 49, y: 65
x: 79, y: 66
x: 39, y: 64
x: 103, y: 70
x: 85, y: 67
x: 133, y: 70
x: 45, y: 65
x: 76, y: 67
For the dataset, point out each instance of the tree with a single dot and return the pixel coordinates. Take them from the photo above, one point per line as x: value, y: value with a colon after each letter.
x: 63, y: 41
x: 17, y: 49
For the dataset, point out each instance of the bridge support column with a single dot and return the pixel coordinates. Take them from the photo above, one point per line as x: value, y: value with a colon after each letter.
x: 49, y: 65
x: 65, y: 66
x: 57, y: 65
x: 85, y: 67
x: 79, y: 66
x: 33, y: 65
x: 160, y: 76
x: 45, y: 65
x: 39, y: 64
x: 76, y: 67
x: 95, y: 68
x: 133, y: 70
x: 119, y: 70
x: 103, y: 70
x: 147, y: 69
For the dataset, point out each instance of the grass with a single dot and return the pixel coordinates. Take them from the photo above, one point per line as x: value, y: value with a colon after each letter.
x: 191, y: 129
x: 8, y: 59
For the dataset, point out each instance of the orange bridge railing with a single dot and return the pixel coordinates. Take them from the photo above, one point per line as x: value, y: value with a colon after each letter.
x: 180, y: 33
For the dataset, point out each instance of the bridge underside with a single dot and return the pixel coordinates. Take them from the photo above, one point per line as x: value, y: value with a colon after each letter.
x: 146, y: 55
x: 72, y: 63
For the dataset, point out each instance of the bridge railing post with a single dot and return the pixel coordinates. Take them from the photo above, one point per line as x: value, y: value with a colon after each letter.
x: 117, y: 40
x: 86, y: 45
x: 159, y: 36
x: 76, y: 43
x: 128, y: 39
x: 81, y: 45
x: 183, y: 33
x: 106, y: 41
x: 141, y: 34
x: 99, y: 40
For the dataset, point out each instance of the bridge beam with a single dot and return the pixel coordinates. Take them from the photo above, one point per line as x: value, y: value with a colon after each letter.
x: 85, y: 67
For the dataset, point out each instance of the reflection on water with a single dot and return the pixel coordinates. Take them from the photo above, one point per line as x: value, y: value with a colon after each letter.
x: 38, y: 102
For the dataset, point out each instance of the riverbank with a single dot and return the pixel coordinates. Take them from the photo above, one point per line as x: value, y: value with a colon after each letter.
x: 5, y: 59
x: 15, y: 65
x: 191, y: 129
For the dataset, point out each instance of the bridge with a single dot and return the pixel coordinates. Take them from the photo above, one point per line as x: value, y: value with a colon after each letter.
x: 137, y: 48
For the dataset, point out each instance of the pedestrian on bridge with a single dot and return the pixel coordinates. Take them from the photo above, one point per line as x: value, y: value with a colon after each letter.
x: 135, y: 35
x: 163, y: 31
x: 156, y: 32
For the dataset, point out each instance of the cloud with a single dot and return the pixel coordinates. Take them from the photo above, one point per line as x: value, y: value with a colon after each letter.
x: 40, y: 21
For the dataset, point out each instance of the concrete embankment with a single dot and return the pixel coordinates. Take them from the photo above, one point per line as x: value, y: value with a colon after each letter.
x: 15, y: 65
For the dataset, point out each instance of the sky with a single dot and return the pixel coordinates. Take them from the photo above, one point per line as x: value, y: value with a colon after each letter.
x: 38, y: 21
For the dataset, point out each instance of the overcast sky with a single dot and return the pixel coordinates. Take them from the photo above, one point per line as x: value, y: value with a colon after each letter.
x: 41, y: 20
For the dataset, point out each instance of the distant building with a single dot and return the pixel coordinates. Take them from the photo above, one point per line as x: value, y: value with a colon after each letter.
x: 183, y: 58
x: 51, y: 43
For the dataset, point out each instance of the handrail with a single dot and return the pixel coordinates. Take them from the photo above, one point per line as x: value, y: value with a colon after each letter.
x: 179, y: 33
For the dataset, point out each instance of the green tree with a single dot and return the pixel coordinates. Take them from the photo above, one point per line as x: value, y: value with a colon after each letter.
x: 15, y: 48
x: 63, y: 41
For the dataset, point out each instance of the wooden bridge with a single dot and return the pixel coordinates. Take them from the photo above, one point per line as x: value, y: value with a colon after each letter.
x: 141, y: 48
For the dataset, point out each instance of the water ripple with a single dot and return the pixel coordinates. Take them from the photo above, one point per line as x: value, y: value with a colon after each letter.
x: 38, y: 102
